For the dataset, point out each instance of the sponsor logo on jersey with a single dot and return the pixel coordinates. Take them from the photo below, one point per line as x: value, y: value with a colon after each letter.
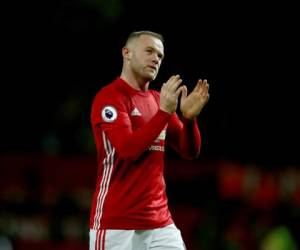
x: 156, y: 148
x: 162, y: 136
x: 109, y: 114
x: 135, y: 112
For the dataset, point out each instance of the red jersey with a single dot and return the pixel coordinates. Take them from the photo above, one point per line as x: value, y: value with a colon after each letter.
x: 130, y: 132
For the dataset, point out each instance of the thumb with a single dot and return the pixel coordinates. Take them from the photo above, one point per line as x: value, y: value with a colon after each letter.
x: 183, y: 93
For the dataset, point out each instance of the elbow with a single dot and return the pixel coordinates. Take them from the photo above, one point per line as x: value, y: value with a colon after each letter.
x: 191, y: 155
x: 190, y: 150
x: 127, y: 154
x: 128, y: 151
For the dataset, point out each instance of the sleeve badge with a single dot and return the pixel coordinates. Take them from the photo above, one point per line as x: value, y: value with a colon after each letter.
x: 109, y: 114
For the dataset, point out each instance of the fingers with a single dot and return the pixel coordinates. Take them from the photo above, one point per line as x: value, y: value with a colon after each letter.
x: 205, y: 85
x: 183, y: 93
x: 173, y: 83
x: 178, y: 91
x: 172, y: 86
x: 202, y: 86
x: 205, y: 89
x: 169, y: 94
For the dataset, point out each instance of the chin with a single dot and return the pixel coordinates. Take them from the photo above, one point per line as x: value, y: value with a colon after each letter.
x: 150, y: 77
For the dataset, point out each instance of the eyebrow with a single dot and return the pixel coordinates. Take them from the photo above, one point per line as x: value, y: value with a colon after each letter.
x: 159, y: 53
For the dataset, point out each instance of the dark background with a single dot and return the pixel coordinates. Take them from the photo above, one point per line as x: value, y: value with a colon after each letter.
x: 247, y: 51
x: 57, y: 54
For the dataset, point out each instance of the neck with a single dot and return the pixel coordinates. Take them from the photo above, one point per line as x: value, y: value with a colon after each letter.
x: 134, y: 81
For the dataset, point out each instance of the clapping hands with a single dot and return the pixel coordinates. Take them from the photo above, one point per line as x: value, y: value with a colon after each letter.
x: 190, y: 104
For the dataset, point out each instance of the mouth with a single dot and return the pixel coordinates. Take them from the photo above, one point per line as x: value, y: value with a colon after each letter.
x: 152, y: 67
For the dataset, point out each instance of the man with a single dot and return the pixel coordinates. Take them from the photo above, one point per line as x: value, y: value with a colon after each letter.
x: 130, y: 125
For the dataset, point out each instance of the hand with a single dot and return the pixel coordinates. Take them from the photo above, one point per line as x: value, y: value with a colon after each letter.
x: 169, y: 94
x: 192, y: 104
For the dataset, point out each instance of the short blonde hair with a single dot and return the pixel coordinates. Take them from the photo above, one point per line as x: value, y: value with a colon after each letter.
x: 137, y: 34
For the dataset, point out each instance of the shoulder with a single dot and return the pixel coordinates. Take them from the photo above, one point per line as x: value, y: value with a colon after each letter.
x: 155, y: 93
x: 108, y: 102
x: 110, y: 95
x: 109, y: 89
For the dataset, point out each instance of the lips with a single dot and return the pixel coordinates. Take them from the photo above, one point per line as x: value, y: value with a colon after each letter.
x: 152, y: 67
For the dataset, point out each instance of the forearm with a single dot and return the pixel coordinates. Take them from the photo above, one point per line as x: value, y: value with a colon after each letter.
x: 190, y: 139
x: 184, y: 136
x: 130, y: 145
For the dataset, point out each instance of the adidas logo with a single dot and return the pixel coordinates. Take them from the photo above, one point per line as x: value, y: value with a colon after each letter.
x: 136, y: 112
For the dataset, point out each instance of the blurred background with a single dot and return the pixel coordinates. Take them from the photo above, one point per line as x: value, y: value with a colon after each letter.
x: 243, y: 192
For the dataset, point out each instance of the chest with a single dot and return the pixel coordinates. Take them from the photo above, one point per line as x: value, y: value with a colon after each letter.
x: 142, y: 109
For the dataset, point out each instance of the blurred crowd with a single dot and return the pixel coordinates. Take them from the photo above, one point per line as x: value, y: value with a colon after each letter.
x: 45, y: 202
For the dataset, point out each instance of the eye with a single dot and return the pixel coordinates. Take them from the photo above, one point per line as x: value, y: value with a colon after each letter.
x: 149, y: 51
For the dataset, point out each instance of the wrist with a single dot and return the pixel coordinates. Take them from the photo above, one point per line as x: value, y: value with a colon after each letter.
x: 166, y: 110
x: 188, y: 116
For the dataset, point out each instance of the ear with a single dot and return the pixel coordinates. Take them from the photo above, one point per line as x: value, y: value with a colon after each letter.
x: 126, y: 53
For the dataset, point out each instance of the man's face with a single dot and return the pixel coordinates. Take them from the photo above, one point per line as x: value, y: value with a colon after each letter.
x: 147, y: 55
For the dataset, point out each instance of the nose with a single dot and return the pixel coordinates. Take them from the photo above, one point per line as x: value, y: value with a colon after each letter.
x: 156, y: 59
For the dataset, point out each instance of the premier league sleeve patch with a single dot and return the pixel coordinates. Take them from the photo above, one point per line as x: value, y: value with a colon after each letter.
x: 109, y: 114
